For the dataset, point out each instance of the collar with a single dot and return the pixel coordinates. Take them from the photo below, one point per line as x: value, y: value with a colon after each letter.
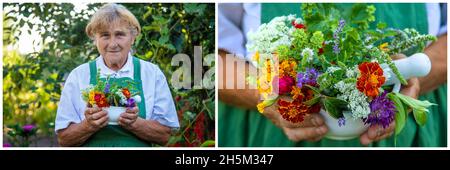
x: 105, y: 71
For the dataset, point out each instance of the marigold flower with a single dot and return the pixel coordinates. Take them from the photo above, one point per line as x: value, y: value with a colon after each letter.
x: 295, y: 111
x: 371, y: 78
x: 287, y: 68
x: 296, y: 92
x: 126, y: 93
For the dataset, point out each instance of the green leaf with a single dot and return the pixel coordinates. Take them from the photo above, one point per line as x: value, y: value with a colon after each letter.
x: 208, y: 143
x: 314, y: 89
x: 312, y: 101
x: 381, y: 25
x: 419, y: 107
x: 414, y: 103
x: 334, y: 106
x: 400, y: 116
x: 420, y: 116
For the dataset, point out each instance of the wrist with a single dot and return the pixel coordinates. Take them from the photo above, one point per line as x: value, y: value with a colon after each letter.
x: 87, y: 127
x: 133, y: 126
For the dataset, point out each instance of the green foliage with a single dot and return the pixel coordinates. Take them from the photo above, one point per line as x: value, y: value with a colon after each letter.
x: 33, y: 82
x: 317, y: 40
x: 419, y: 107
x: 334, y: 106
x: 400, y: 115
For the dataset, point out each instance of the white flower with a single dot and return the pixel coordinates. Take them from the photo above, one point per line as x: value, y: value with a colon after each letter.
x: 357, y: 101
x: 332, y: 69
x: 123, y: 99
x: 137, y: 98
x: 271, y: 35
x: 352, y: 72
x: 307, y: 52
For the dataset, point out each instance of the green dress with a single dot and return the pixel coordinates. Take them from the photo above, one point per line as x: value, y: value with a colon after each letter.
x: 114, y: 135
x: 243, y: 128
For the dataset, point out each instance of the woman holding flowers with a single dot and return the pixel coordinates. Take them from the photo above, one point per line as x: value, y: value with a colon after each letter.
x: 150, y: 117
x: 277, y: 125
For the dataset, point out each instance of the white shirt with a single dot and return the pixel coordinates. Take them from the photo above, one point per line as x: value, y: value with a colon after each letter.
x: 237, y: 19
x: 159, y: 104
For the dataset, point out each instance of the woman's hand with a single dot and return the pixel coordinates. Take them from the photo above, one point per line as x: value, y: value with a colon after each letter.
x: 77, y: 133
x: 312, y: 129
x: 377, y: 133
x: 95, y: 118
x: 128, y: 118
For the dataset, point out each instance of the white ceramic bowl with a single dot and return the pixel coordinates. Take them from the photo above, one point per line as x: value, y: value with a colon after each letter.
x: 114, y: 114
x: 353, y: 127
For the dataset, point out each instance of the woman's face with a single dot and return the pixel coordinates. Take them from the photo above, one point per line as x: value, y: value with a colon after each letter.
x: 114, y: 44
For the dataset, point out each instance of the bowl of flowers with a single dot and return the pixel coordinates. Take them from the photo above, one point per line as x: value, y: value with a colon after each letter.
x: 332, y: 64
x: 112, y: 97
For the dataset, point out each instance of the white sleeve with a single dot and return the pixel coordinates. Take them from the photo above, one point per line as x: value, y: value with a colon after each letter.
x: 437, y: 18
x: 67, y: 109
x: 231, y: 37
x: 443, y: 25
x: 164, y: 108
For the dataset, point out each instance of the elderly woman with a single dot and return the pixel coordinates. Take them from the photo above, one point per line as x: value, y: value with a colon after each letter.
x: 114, y: 29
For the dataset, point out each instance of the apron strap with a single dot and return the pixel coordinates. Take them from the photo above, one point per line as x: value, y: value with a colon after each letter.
x: 93, y: 72
x: 138, y: 81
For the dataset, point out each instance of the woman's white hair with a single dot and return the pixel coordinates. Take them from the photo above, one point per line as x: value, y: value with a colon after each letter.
x: 110, y: 13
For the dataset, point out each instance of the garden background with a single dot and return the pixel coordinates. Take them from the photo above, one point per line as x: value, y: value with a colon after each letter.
x: 32, y: 81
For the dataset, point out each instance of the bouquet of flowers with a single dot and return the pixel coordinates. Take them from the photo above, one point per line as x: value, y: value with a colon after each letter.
x: 331, y: 62
x: 111, y: 96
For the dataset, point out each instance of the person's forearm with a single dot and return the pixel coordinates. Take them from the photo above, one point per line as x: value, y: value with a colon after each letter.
x: 245, y: 98
x: 150, y: 130
x: 437, y: 52
x: 75, y: 134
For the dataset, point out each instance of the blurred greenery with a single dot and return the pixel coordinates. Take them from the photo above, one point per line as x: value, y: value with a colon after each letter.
x: 32, y: 82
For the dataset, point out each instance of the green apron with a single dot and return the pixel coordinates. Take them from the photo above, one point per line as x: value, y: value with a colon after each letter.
x: 238, y: 127
x: 114, y: 135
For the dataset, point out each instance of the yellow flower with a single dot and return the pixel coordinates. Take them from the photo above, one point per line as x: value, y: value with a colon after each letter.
x: 91, y: 97
x: 265, y: 103
x: 384, y: 47
x: 268, y: 70
x: 261, y: 107
x: 256, y: 57
x: 296, y: 92
x: 287, y: 68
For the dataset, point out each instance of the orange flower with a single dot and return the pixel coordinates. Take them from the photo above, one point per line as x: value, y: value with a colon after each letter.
x: 287, y: 68
x: 296, y: 92
x: 103, y: 102
x: 126, y: 93
x: 296, y: 111
x: 371, y: 78
x: 100, y: 99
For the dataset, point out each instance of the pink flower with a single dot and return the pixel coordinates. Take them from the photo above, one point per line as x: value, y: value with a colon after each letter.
x: 28, y: 128
x: 283, y: 85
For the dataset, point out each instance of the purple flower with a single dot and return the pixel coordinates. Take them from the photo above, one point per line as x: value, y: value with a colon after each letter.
x: 336, y: 48
x: 7, y: 145
x: 341, y: 121
x: 382, y: 111
x: 28, y: 128
x: 131, y: 102
x: 336, y: 33
x: 308, y: 77
x: 107, y: 86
